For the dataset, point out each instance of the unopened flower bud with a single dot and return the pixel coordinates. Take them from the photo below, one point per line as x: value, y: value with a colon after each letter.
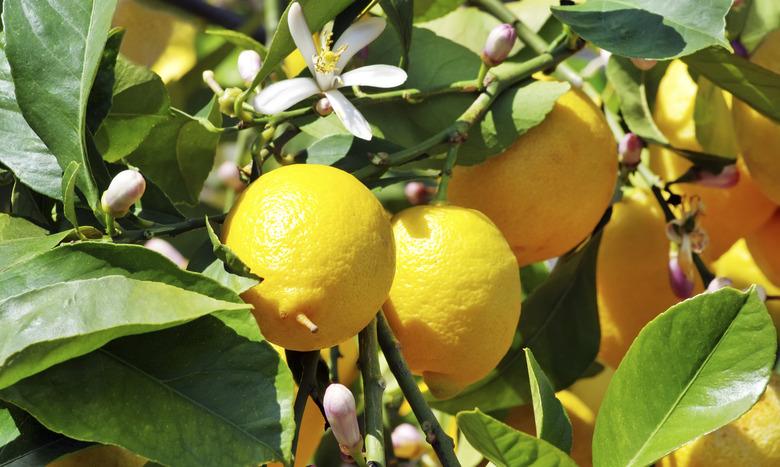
x: 249, y: 63
x: 680, y: 277
x: 498, y: 45
x: 417, y: 193
x: 727, y: 178
x: 230, y: 176
x: 408, y: 442
x: 739, y: 49
x: 643, y: 64
x: 761, y: 292
x: 124, y: 190
x: 166, y: 249
x: 323, y: 107
x: 339, y: 404
x: 227, y: 101
x: 719, y: 283
x: 630, y: 149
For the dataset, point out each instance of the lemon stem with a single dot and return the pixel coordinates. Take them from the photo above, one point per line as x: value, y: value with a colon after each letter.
x: 442, y: 444
x: 335, y: 354
x: 483, y: 69
x: 373, y: 388
x: 306, y: 322
x: 446, y: 174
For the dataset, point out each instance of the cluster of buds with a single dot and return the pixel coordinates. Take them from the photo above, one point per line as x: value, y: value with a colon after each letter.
x: 687, y: 237
x: 339, y: 405
x: 630, y: 150
x: 498, y: 45
x: 125, y: 189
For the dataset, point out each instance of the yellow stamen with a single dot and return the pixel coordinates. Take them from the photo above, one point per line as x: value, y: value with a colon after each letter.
x: 326, y: 59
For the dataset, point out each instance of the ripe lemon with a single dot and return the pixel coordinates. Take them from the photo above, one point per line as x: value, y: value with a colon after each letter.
x: 100, y: 456
x: 147, y: 30
x: 582, y: 419
x: 738, y: 265
x: 764, y: 245
x: 632, y: 273
x: 730, y: 213
x: 322, y: 244
x: 549, y: 189
x: 751, y: 440
x: 759, y: 136
x: 455, y: 300
x: 591, y: 390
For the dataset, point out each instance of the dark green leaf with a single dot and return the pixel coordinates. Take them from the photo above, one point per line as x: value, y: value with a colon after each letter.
x: 763, y: 17
x: 35, y: 445
x: 8, y: 430
x: 14, y: 251
x: 179, y: 153
x: 629, y: 83
x: 648, y: 29
x: 329, y: 150
x: 400, y: 13
x: 552, y: 423
x: 506, y: 447
x: 425, y: 10
x: 559, y: 323
x: 12, y: 228
x: 712, y: 119
x: 215, y: 398
x: 55, y: 48
x: 231, y: 261
x: 69, y: 192
x: 532, y: 276
x: 23, y: 151
x: 753, y: 84
x: 238, y: 39
x: 696, y: 367
x: 99, y: 101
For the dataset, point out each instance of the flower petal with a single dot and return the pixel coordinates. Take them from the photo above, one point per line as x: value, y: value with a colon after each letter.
x: 282, y: 95
x: 356, y: 37
x: 301, y: 34
x: 352, y: 119
x: 378, y: 76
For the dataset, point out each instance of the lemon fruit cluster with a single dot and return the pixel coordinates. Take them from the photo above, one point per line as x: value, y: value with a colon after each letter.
x: 730, y: 213
x: 455, y: 300
x: 548, y: 190
x: 324, y: 248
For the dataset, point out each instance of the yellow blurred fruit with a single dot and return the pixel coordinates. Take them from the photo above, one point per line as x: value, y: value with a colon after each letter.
x: 100, y: 456
x: 730, y: 213
x: 347, y: 363
x: 591, y: 390
x: 759, y: 136
x: 764, y: 245
x: 549, y: 189
x: 321, y: 242
x: 632, y: 273
x: 294, y: 64
x: 147, y: 30
x: 739, y: 265
x: 582, y: 420
x: 751, y: 440
x: 180, y: 55
x: 455, y: 300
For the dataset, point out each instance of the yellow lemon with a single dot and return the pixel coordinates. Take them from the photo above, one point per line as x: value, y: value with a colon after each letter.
x: 591, y: 390
x: 347, y: 363
x: 632, y: 273
x: 759, y: 136
x: 147, y: 30
x: 322, y: 244
x: 730, y: 213
x: 455, y: 300
x: 582, y: 419
x: 764, y: 245
x: 100, y: 456
x: 738, y: 265
x: 549, y: 189
x: 751, y: 440
x: 309, y: 436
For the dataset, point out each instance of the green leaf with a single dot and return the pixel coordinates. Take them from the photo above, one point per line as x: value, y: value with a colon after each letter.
x: 707, y: 360
x: 712, y: 119
x: 8, y: 430
x: 751, y: 83
x: 35, y: 445
x: 194, y: 395
x: 100, y: 96
x: 55, y: 48
x: 506, y: 447
x: 18, y: 250
x: 179, y: 153
x: 552, y: 423
x: 232, y: 262
x: 426, y: 10
x: 238, y: 39
x: 12, y: 228
x: 763, y: 17
x: 629, y: 83
x: 23, y: 152
x: 69, y: 192
x: 330, y: 149
x: 238, y: 284
x: 649, y: 29
x: 317, y: 13
x: 140, y: 102
x: 400, y: 13
x: 559, y: 323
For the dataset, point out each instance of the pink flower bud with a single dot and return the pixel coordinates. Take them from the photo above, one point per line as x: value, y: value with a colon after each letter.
x: 680, y: 278
x: 249, y: 63
x: 417, y: 193
x: 323, y: 107
x: 339, y: 404
x: 408, y: 442
x: 230, y: 176
x: 739, y: 49
x: 719, y: 283
x: 727, y: 178
x: 630, y: 149
x: 761, y: 292
x: 498, y: 45
x: 643, y: 64
x: 124, y: 190
x: 166, y: 249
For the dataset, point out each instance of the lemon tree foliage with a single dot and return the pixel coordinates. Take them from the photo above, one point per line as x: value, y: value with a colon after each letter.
x: 360, y: 185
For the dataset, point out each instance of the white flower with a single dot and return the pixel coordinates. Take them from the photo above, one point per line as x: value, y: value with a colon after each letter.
x: 326, y: 64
